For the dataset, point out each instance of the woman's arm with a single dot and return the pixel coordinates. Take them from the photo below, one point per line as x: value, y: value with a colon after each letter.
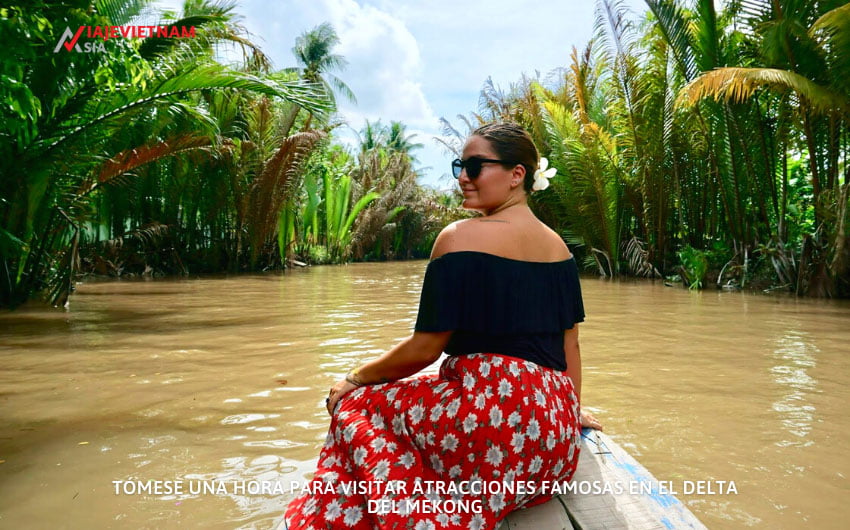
x: 405, y: 358
x: 572, y: 351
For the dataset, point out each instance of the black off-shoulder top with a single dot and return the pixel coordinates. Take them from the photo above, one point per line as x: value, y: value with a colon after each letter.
x: 502, y: 305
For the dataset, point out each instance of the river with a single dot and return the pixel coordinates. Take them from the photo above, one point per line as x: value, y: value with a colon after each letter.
x: 220, y: 383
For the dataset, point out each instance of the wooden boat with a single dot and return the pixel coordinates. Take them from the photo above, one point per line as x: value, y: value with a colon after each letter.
x: 634, y: 499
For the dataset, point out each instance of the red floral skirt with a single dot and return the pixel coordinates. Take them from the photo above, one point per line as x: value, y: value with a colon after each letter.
x: 457, y: 451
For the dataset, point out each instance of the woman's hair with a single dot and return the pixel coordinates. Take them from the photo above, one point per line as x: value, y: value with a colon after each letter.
x: 513, y: 143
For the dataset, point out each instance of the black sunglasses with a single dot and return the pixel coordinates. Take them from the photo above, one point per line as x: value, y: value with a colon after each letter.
x: 473, y: 166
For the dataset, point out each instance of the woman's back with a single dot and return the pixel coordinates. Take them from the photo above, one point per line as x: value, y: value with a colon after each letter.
x: 519, y: 236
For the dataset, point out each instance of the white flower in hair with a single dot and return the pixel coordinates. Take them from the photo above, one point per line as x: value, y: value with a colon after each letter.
x: 542, y: 175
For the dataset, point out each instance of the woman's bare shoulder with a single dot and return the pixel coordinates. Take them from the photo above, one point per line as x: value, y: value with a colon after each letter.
x: 559, y: 247
x: 465, y: 234
x: 475, y: 235
x: 447, y: 240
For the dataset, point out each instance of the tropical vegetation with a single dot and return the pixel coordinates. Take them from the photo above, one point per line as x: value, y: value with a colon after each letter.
x: 702, y: 146
x: 699, y: 145
x: 151, y: 156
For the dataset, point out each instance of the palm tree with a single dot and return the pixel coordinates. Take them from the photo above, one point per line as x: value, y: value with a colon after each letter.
x: 313, y: 53
x: 92, y: 119
x: 801, y: 60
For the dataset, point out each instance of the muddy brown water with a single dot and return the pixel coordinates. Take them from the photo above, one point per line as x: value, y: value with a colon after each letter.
x: 218, y: 384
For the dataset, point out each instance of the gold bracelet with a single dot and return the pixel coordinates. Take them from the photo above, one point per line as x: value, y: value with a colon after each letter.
x: 352, y: 377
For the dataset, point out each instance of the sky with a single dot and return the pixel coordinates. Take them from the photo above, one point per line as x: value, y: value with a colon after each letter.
x: 415, y: 61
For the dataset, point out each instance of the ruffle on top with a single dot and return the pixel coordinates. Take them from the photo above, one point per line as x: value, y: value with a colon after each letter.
x: 489, y: 294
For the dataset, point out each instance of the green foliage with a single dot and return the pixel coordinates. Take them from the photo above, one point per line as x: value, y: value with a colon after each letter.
x: 699, y: 138
x: 82, y: 128
x: 694, y: 266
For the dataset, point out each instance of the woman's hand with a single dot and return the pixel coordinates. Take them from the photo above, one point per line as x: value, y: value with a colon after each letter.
x: 340, y: 389
x: 588, y: 420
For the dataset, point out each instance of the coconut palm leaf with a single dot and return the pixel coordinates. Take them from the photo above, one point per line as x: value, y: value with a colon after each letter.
x: 833, y: 30
x: 674, y: 25
x: 270, y: 189
x: 131, y: 159
x: 740, y: 84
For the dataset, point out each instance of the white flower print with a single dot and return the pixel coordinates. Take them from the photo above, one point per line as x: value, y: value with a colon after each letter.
x: 449, y: 442
x: 352, y: 516
x: 391, y: 447
x: 513, y: 368
x: 437, y: 464
x: 470, y: 423
x: 514, y: 419
x: 392, y: 394
x: 378, y: 422
x: 559, y: 465
x: 398, y: 424
x: 504, y: 388
x: 420, y: 439
x: 454, y: 406
x: 439, y: 388
x: 539, y: 398
x: 330, y: 461
x: 497, y: 502
x: 379, y: 443
x: 424, y: 525
x: 533, y: 429
x: 333, y: 511
x: 468, y: 381
x: 477, y: 522
x: 443, y: 519
x: 480, y: 401
x: 359, y: 456
x: 550, y: 441
x: 536, y: 464
x: 497, y: 361
x: 495, y: 416
x: 455, y: 471
x: 436, y: 412
x: 484, y: 369
x: 407, y: 460
x: 348, y: 433
x: 381, y: 470
x: 494, y: 456
x: 431, y: 438
x: 417, y: 412
x: 517, y: 442
x: 488, y: 392
x: 311, y: 506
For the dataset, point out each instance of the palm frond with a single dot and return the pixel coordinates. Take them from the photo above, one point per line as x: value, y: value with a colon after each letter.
x: 120, y: 12
x: 130, y: 159
x: 271, y: 187
x: 739, y: 84
x: 833, y: 28
x: 674, y: 25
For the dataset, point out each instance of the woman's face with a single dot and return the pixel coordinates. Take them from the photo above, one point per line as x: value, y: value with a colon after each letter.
x: 494, y: 183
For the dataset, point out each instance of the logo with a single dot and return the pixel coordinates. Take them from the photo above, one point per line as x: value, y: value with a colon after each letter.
x: 68, y: 35
x: 69, y: 40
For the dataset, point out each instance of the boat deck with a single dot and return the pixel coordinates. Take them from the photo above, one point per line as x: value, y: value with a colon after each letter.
x: 633, y: 498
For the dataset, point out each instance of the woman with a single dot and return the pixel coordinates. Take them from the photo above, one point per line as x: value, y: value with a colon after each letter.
x: 501, y: 421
